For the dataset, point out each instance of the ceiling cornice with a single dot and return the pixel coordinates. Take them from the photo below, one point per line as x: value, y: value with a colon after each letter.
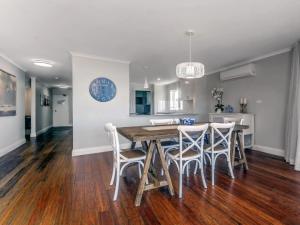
x: 281, y: 51
x: 77, y: 54
x: 12, y: 62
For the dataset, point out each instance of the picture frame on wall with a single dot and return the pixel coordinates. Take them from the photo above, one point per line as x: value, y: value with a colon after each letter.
x: 42, y: 99
x: 8, y: 94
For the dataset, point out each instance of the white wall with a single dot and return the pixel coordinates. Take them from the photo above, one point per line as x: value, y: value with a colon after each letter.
x: 89, y: 116
x: 43, y: 113
x: 270, y: 87
x: 12, y: 128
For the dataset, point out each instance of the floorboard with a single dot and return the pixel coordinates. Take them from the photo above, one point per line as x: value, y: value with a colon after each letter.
x: 40, y: 183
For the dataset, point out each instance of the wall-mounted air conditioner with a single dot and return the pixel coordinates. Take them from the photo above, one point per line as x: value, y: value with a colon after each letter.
x: 238, y: 72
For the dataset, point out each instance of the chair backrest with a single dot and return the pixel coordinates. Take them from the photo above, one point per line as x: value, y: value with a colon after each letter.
x: 113, y: 138
x: 223, y: 132
x: 176, y: 121
x: 195, y: 134
x: 161, y: 121
x: 233, y: 119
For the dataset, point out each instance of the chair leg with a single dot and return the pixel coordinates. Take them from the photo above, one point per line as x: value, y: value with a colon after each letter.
x: 188, y: 170
x: 213, y: 161
x: 230, y: 167
x: 180, y: 180
x: 204, y: 159
x: 153, y: 157
x: 140, y: 172
x: 202, y: 173
x: 196, y: 167
x: 113, y: 175
x: 117, y: 183
x: 209, y: 159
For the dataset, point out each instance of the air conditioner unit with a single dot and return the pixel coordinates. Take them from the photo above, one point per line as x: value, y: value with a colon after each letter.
x: 238, y: 72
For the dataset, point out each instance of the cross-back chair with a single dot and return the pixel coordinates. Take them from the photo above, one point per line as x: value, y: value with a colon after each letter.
x: 186, y: 154
x: 123, y: 158
x: 219, y: 146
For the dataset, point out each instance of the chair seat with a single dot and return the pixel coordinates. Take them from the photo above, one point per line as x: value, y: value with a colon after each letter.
x: 188, y: 154
x: 218, y: 148
x: 133, y: 154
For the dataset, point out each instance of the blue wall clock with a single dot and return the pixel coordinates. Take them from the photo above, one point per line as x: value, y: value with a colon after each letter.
x: 103, y: 89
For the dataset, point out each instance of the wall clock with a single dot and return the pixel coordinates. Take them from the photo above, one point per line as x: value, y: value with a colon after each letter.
x: 103, y: 89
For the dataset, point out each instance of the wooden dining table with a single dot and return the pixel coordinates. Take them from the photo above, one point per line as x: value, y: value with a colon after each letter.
x: 150, y: 137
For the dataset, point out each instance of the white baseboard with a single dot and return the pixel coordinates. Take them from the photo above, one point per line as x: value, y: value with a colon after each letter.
x: 269, y: 150
x: 43, y: 130
x: 66, y: 125
x: 98, y: 149
x: 11, y: 147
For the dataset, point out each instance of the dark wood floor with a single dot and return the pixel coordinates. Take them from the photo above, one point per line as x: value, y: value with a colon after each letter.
x: 40, y: 183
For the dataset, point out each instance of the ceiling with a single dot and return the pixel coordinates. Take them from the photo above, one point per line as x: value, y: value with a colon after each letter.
x: 146, y: 33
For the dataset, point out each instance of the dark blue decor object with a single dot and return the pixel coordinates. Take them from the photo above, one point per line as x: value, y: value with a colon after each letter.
x: 103, y: 89
x: 228, y: 109
x: 187, y: 121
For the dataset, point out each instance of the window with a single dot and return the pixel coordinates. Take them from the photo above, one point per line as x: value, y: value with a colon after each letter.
x: 175, y: 104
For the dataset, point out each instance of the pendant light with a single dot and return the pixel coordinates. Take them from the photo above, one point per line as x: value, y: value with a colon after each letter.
x: 190, y: 70
x: 146, y: 85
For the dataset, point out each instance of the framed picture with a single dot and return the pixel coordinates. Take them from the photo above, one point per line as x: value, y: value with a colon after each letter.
x: 8, y: 93
x: 46, y: 100
x: 42, y: 99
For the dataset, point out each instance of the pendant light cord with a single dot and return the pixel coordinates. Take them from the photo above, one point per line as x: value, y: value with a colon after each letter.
x: 190, y: 48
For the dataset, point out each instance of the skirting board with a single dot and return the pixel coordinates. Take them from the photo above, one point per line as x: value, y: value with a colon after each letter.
x: 43, y: 130
x: 107, y: 148
x: 94, y: 150
x: 11, y: 147
x: 269, y: 150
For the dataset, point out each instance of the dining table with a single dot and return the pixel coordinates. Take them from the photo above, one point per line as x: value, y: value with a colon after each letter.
x: 150, y: 137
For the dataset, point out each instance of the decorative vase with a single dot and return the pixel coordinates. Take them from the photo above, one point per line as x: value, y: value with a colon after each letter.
x: 219, y: 111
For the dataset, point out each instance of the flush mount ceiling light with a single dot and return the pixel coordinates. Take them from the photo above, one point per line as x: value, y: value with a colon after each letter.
x: 190, y: 70
x: 43, y: 63
x: 64, y: 86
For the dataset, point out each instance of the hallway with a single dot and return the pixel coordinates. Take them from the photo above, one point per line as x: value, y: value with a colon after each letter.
x: 41, y: 183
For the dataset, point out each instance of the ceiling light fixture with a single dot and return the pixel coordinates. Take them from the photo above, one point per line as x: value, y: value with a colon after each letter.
x: 43, y: 63
x: 190, y: 70
x: 56, y: 78
x: 62, y: 86
x: 158, y: 79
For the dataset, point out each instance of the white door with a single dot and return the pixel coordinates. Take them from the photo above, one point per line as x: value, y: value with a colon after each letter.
x: 61, y: 111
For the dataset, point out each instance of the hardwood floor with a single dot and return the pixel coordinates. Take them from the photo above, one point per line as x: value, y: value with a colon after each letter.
x: 40, y: 183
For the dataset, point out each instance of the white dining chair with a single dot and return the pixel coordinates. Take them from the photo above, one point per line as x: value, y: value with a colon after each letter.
x: 184, y: 155
x: 123, y: 158
x: 219, y: 146
x: 167, y: 143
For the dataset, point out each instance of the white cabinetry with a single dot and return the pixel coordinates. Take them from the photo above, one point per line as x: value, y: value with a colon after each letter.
x: 248, y: 120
